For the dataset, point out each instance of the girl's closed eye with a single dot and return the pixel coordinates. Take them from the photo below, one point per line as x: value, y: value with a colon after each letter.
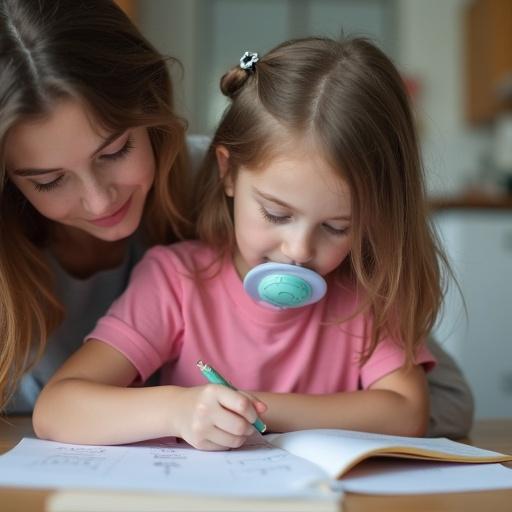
x: 271, y: 217
x: 336, y: 231
x: 281, y: 219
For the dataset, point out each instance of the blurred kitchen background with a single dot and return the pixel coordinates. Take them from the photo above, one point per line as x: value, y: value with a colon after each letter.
x: 456, y: 59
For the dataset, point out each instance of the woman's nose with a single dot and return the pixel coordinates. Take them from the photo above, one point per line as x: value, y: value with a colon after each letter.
x: 97, y: 198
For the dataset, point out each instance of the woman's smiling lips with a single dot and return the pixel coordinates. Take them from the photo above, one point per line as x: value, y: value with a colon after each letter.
x: 115, y: 218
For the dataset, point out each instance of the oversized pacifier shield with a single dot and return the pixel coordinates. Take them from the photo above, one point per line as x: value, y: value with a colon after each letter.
x: 284, y: 290
x: 284, y: 286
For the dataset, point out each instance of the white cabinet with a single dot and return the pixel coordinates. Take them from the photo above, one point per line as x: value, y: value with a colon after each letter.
x: 479, y: 246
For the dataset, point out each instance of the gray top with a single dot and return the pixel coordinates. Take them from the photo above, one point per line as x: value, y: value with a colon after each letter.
x: 86, y: 300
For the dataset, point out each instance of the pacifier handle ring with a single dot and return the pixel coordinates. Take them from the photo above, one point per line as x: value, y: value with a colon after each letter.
x: 284, y: 286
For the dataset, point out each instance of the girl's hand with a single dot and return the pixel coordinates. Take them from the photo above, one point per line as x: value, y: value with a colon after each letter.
x: 215, y: 417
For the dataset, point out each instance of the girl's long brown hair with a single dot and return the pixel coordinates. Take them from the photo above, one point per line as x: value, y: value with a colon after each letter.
x: 348, y: 98
x: 86, y: 50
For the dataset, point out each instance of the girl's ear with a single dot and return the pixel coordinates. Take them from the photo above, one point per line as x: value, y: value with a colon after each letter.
x: 222, y: 154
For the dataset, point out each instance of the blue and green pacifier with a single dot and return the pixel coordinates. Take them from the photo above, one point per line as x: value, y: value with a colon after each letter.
x: 284, y: 286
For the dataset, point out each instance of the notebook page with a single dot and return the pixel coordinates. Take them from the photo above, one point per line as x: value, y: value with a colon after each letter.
x: 336, y: 451
x: 256, y: 469
x: 389, y: 477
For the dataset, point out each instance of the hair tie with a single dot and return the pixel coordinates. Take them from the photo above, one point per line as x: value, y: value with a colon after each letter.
x: 248, y: 60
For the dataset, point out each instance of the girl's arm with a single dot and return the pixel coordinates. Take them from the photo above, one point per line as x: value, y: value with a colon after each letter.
x: 87, y: 401
x: 396, y: 404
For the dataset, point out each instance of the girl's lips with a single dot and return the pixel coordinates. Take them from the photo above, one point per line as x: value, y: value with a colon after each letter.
x: 115, y: 218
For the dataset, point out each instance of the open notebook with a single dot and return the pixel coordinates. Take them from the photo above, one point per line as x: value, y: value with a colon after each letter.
x: 291, y: 471
x: 337, y: 451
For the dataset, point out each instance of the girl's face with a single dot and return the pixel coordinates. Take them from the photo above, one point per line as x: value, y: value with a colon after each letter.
x: 296, y: 209
x: 79, y: 175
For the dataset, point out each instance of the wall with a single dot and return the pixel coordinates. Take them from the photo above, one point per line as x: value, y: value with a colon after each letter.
x: 171, y: 26
x: 208, y: 36
x: 424, y: 37
x: 431, y: 48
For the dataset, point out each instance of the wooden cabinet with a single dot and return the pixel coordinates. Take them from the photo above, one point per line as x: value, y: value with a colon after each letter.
x: 129, y: 7
x: 488, y: 47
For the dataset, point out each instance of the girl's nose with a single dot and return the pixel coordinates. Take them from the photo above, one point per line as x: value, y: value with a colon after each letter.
x: 299, y: 248
x: 97, y: 198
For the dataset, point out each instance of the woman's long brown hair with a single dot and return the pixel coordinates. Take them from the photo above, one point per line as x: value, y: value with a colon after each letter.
x: 86, y: 50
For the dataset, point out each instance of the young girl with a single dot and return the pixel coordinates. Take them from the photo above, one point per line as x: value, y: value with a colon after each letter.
x: 92, y: 165
x: 314, y: 164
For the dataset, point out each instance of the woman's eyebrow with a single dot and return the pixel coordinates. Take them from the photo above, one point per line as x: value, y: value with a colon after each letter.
x: 34, y: 172
x: 38, y: 172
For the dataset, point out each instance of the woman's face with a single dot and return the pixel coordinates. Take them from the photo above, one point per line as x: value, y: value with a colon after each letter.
x: 78, y: 175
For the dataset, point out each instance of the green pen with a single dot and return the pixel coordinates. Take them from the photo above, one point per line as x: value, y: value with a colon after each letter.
x: 214, y: 377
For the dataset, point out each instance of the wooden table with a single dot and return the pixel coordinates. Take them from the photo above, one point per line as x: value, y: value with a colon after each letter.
x: 490, y: 434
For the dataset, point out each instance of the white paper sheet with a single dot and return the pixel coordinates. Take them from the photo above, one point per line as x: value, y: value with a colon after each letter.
x: 257, y: 469
x: 337, y: 450
x: 389, y: 477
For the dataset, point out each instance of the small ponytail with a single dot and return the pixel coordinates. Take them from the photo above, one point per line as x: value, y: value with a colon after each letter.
x: 236, y: 77
x: 232, y: 81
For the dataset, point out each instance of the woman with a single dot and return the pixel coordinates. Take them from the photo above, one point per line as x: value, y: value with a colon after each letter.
x: 93, y: 167
x: 93, y: 170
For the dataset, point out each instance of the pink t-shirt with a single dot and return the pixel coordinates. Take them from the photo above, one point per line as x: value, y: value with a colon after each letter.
x: 168, y: 319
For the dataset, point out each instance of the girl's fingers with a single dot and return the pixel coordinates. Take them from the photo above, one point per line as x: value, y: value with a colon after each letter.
x: 220, y: 437
x: 226, y: 418
x: 231, y: 423
x: 260, y: 406
x: 210, y: 446
x: 239, y: 403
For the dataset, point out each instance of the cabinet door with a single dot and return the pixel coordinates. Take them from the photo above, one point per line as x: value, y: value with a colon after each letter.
x: 128, y: 7
x: 479, y: 245
x: 488, y: 39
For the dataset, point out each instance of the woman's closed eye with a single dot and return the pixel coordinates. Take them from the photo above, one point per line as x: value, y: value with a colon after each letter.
x: 116, y: 155
x: 120, y: 153
x: 46, y: 187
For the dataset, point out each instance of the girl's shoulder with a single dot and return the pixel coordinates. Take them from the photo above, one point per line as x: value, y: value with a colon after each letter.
x: 188, y: 256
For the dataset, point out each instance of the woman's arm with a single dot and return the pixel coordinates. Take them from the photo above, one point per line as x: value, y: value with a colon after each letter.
x: 451, y: 399
x: 88, y: 401
x: 396, y: 404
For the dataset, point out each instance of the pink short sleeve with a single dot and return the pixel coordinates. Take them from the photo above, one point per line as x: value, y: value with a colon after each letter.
x: 145, y: 323
x: 388, y: 357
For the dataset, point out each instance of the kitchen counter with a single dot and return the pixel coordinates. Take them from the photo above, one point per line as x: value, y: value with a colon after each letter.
x: 471, y: 201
